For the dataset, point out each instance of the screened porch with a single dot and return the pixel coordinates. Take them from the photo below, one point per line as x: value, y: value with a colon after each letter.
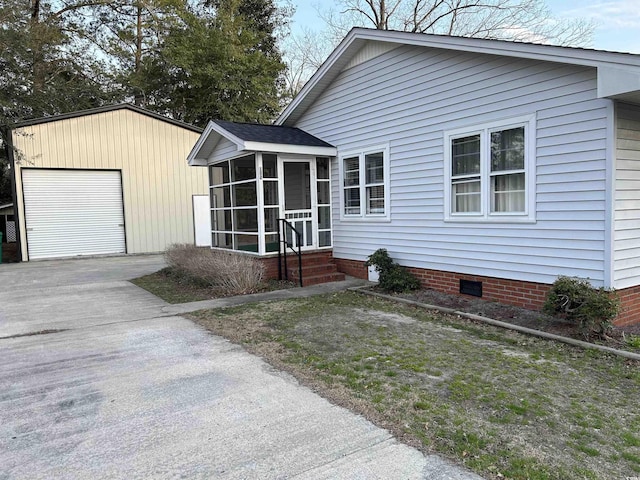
x: 249, y: 195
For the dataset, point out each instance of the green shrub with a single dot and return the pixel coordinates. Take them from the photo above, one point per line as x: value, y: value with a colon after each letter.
x: 392, y: 277
x: 633, y: 341
x: 592, y: 309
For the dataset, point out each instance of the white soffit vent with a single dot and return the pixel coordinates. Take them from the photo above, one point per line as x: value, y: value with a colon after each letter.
x: 73, y: 212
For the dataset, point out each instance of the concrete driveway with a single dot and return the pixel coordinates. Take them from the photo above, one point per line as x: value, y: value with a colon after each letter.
x: 119, y: 389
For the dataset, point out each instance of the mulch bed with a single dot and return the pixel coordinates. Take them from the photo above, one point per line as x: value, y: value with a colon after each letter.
x: 516, y: 316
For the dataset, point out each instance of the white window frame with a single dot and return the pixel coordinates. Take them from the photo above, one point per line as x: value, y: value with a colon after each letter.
x: 363, y: 216
x: 484, y: 130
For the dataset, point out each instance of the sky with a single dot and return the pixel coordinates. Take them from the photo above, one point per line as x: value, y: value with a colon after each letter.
x: 617, y: 22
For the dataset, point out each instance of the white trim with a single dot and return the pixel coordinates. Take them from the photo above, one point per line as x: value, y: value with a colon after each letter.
x: 287, y: 148
x: 262, y: 240
x: 360, y: 153
x: 611, y: 161
x: 484, y: 130
x: 614, y: 81
x: 192, y: 158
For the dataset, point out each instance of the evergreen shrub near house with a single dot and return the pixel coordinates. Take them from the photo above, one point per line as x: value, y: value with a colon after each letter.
x: 392, y: 277
x: 231, y: 273
x: 591, y: 309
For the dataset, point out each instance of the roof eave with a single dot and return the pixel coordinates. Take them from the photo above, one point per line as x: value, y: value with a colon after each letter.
x: 292, y: 149
x: 204, y: 147
x: 619, y: 83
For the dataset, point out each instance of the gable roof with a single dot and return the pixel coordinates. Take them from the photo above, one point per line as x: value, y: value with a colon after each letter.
x: 253, y: 137
x: 107, y: 108
x: 254, y: 132
x: 618, y: 73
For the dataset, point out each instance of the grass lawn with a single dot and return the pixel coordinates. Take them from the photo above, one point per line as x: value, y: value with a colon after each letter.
x: 503, y: 404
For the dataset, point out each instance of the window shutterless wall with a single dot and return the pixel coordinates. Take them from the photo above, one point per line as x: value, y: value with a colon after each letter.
x: 364, y: 184
x: 490, y: 172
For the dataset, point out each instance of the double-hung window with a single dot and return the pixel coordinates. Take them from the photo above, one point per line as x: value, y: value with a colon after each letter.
x: 364, y: 176
x: 490, y: 172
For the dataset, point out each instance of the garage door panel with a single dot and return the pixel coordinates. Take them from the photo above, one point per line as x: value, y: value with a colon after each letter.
x: 73, y: 212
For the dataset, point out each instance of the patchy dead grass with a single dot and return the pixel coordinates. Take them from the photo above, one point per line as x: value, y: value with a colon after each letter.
x: 501, y: 403
x: 175, y: 288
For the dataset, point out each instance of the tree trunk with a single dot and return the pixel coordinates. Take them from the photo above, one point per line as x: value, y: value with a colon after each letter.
x: 138, y: 97
x: 37, y: 47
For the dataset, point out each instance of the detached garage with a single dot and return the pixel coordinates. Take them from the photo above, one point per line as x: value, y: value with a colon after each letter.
x: 111, y: 180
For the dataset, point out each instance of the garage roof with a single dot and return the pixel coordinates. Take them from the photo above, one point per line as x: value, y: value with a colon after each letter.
x: 107, y: 108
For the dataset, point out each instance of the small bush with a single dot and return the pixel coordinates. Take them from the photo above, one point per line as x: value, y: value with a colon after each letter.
x: 232, y: 273
x: 592, y: 309
x: 633, y: 341
x: 392, y: 277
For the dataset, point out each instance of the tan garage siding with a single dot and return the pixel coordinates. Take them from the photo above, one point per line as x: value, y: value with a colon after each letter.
x: 157, y: 183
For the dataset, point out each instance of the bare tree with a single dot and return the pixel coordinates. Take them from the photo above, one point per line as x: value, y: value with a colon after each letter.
x: 520, y: 20
x: 304, y: 54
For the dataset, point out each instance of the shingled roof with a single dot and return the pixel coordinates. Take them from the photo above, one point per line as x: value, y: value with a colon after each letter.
x: 254, y: 137
x: 254, y: 132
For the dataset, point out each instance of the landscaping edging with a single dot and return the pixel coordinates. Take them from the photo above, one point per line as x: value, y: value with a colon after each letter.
x: 497, y: 323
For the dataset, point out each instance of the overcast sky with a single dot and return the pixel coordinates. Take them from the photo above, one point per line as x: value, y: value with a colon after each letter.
x: 617, y: 21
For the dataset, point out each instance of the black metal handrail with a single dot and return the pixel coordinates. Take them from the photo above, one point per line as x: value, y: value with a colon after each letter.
x: 282, y: 248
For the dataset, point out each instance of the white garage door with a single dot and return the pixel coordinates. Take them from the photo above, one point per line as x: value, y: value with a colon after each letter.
x: 73, y: 212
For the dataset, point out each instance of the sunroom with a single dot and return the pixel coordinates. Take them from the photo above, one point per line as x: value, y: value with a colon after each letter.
x: 267, y: 184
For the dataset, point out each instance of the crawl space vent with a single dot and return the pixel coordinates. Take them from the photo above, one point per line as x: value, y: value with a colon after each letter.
x: 471, y: 288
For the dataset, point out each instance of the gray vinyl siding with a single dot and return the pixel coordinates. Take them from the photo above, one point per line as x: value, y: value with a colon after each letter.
x: 224, y: 150
x: 409, y: 96
x: 627, y: 197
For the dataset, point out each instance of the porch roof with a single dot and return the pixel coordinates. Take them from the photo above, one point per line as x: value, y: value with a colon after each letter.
x: 253, y: 137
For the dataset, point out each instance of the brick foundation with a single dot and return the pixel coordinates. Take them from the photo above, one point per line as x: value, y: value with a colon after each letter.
x: 630, y: 303
x: 309, y: 260
x: 528, y: 295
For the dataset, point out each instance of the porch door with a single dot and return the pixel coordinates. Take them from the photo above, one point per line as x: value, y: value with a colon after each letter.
x: 298, y: 201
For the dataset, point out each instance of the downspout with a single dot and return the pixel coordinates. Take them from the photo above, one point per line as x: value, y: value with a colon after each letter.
x: 16, y: 210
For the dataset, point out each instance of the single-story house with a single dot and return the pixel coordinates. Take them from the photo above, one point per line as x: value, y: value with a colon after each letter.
x: 485, y: 166
x: 7, y: 223
x: 109, y: 180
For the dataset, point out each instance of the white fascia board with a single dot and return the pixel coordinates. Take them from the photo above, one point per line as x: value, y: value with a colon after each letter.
x: 197, y: 162
x: 286, y: 148
x: 195, y: 158
x: 547, y: 53
x: 616, y: 81
x: 192, y: 158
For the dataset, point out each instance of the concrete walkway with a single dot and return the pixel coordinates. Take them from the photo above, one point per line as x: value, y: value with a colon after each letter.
x: 127, y: 389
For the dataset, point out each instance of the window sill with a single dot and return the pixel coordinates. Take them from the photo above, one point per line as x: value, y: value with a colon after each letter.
x: 505, y: 219
x: 365, y: 219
